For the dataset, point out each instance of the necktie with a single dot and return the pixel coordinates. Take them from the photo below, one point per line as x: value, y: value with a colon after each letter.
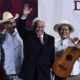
x: 40, y: 39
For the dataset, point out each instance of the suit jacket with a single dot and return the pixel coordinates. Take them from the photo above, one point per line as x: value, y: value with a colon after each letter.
x: 38, y: 58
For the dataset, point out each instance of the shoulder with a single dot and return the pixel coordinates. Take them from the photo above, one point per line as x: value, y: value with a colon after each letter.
x: 49, y: 38
x: 28, y: 32
x: 57, y: 40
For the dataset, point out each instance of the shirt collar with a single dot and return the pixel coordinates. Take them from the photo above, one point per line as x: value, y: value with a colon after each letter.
x: 41, y: 36
x: 63, y: 41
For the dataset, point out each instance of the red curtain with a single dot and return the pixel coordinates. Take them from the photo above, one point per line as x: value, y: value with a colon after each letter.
x: 16, y: 6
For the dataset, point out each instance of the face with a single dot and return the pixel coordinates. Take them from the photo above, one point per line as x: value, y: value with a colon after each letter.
x: 10, y: 26
x: 39, y: 28
x: 64, y: 32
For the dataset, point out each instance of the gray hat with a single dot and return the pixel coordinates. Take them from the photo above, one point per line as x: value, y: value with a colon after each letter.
x: 65, y: 22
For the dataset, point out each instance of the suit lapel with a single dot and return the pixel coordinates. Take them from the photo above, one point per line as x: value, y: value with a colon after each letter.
x: 36, y: 45
x: 44, y: 38
x: 45, y: 45
x: 39, y: 48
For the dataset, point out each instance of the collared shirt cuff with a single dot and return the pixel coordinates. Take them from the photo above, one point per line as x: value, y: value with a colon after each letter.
x: 23, y: 18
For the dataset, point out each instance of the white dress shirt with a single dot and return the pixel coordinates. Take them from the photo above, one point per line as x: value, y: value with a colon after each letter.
x: 13, y: 51
x: 60, y: 47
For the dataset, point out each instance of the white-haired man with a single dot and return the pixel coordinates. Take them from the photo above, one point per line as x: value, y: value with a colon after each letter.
x: 39, y: 50
x: 12, y: 47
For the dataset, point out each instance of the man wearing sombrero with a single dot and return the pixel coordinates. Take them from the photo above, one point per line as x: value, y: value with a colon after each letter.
x: 64, y: 29
x: 12, y: 46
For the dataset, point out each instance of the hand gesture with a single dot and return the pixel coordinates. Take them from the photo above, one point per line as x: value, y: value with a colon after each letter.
x: 26, y: 10
x: 77, y: 46
x: 74, y: 40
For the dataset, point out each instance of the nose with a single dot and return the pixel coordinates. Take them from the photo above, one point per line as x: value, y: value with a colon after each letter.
x: 13, y: 24
x: 39, y: 28
x: 64, y: 31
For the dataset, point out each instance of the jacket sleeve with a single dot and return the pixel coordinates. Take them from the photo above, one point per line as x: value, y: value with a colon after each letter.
x: 53, y: 52
x: 21, y: 28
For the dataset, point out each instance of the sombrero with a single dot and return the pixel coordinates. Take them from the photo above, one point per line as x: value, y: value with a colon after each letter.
x: 64, y: 22
x: 7, y: 16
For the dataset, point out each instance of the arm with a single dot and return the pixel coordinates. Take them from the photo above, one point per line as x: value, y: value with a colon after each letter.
x: 21, y: 24
x: 53, y: 52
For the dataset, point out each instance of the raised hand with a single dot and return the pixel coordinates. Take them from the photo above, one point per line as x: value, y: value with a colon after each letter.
x: 26, y: 10
x: 77, y: 46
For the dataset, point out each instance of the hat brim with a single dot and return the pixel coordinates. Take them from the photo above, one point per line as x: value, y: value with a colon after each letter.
x: 8, y: 20
x: 57, y: 26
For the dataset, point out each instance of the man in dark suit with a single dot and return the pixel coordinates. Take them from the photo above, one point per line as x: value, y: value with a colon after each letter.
x: 38, y: 53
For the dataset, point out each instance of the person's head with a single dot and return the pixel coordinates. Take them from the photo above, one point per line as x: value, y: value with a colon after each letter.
x: 64, y: 29
x: 38, y: 26
x: 10, y: 26
x: 9, y: 21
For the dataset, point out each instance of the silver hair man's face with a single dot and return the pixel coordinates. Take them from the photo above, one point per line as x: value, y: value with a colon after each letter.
x: 39, y: 30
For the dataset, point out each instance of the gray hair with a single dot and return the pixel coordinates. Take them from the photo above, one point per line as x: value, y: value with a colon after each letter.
x: 35, y: 20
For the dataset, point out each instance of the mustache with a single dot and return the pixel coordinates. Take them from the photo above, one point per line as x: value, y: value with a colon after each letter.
x: 11, y: 29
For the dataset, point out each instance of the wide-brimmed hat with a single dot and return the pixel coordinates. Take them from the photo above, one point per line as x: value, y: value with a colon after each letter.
x: 7, y: 16
x: 64, y: 22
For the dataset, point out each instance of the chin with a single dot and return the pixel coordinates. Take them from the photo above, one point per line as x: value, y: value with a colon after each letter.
x: 39, y: 34
x: 64, y: 37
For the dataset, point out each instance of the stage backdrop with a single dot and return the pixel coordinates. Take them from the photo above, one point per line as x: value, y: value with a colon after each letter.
x: 54, y: 11
x: 16, y: 6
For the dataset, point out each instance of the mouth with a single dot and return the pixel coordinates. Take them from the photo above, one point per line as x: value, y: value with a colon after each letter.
x: 64, y: 34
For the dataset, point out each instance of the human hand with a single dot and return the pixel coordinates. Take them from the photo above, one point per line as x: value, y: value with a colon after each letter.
x: 77, y: 46
x: 74, y: 40
x: 26, y: 11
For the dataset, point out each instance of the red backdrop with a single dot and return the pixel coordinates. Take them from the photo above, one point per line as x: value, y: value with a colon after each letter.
x: 16, y: 6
